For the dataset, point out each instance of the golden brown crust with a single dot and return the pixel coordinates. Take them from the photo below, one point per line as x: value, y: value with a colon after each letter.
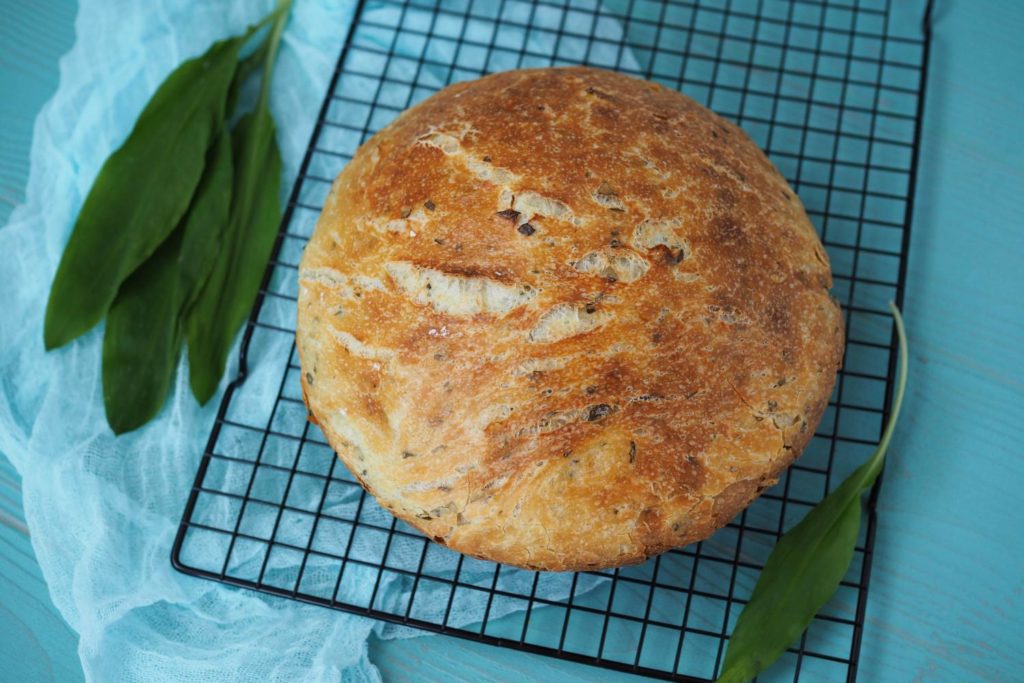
x: 564, y: 319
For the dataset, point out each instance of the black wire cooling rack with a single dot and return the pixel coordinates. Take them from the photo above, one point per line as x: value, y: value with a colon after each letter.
x: 833, y: 90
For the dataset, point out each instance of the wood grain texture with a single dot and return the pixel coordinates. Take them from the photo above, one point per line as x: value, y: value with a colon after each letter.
x: 947, y: 593
x: 33, y: 36
x: 35, y: 642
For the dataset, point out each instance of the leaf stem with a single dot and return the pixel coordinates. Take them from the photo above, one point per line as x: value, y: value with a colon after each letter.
x: 283, y: 7
x: 901, y: 384
x: 280, y: 16
x: 874, y: 465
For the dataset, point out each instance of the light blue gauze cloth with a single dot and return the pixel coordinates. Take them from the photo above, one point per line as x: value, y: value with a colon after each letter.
x: 103, y: 511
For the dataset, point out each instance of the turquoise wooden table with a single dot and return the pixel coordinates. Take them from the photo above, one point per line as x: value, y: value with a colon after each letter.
x: 947, y: 593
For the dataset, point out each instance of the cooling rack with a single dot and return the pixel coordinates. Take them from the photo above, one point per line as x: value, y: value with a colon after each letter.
x: 832, y: 90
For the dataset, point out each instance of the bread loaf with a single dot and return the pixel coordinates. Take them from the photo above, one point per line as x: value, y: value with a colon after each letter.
x: 565, y: 319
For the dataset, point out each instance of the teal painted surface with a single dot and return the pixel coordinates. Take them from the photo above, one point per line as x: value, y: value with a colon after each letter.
x: 35, y: 642
x: 33, y: 36
x: 947, y: 596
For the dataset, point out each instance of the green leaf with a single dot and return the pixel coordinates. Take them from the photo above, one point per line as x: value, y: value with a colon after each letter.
x: 144, y: 325
x: 227, y: 298
x: 142, y: 340
x: 231, y: 289
x: 203, y: 231
x: 809, y: 561
x: 141, y: 193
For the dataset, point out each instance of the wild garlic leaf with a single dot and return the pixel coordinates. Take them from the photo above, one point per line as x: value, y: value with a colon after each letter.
x: 203, y: 230
x: 230, y: 291
x: 142, y: 340
x: 228, y: 295
x: 803, y: 572
x: 141, y: 193
x: 144, y: 330
x: 809, y: 561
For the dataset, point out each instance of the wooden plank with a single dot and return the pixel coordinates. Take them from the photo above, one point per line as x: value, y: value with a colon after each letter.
x: 36, y: 644
x: 947, y: 597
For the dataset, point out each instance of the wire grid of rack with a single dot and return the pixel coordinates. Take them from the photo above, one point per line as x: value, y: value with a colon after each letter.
x: 832, y: 90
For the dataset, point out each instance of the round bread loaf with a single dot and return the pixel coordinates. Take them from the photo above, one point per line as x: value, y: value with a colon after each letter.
x: 565, y: 319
